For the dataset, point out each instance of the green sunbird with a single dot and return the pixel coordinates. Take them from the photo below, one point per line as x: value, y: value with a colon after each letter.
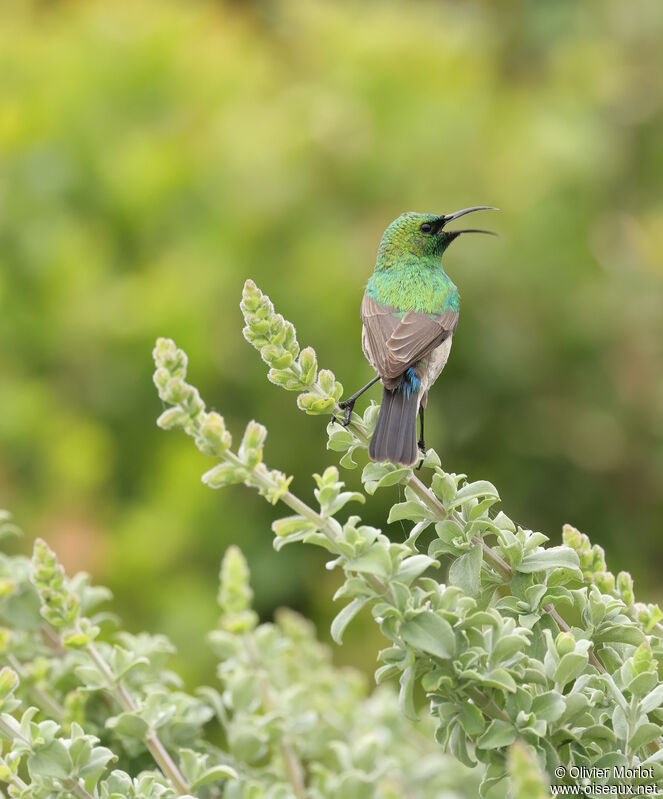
x: 409, y: 313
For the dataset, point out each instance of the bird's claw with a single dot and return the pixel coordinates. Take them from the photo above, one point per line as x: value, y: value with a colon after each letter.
x: 346, y: 407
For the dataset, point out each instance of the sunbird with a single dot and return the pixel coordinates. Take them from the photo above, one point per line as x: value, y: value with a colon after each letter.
x: 409, y: 315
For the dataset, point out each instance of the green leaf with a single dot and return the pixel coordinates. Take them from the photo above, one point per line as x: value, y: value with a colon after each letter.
x: 476, y: 490
x: 51, y: 761
x: 406, y: 694
x: 448, y: 530
x: 471, y: 719
x: 620, y: 723
x: 340, y: 438
x: 644, y: 734
x: 412, y: 567
x: 653, y: 700
x: 569, y: 667
x: 381, y: 475
x: 214, y: 774
x: 375, y: 561
x: 465, y: 571
x: 493, y: 776
x: 95, y: 765
x: 411, y: 510
x: 458, y: 746
x: 642, y: 684
x: 290, y: 525
x: 596, y: 732
x: 547, y: 559
x: 128, y: 724
x: 500, y: 678
x: 499, y: 733
x: 344, y: 618
x: 430, y: 633
x: 549, y: 706
x: 444, y: 487
x: 507, y: 646
x: 620, y: 633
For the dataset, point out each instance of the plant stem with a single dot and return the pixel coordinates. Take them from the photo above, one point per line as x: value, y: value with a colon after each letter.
x: 152, y: 741
x: 487, y: 705
x: 77, y: 789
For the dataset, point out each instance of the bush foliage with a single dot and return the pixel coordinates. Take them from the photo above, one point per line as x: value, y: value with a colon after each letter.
x: 523, y: 642
x: 530, y: 656
x: 90, y: 711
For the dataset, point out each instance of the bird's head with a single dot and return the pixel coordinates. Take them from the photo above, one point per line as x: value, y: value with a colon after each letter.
x: 423, y: 235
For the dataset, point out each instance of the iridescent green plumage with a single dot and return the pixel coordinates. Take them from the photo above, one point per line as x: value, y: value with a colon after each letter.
x: 408, y: 271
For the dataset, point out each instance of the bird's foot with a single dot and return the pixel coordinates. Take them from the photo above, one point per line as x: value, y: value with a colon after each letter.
x: 422, y: 449
x: 346, y: 406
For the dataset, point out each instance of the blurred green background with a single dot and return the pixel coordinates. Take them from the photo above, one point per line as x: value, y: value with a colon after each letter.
x: 155, y: 154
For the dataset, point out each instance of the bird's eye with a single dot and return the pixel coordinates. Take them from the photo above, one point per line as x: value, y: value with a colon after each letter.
x: 426, y: 227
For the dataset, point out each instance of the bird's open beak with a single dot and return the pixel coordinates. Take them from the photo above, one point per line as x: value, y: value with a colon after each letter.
x: 445, y: 218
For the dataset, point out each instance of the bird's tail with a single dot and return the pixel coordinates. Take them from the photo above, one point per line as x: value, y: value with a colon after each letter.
x: 395, y: 436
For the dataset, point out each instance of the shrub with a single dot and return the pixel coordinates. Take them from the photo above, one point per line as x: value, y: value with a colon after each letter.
x: 524, y: 642
x: 89, y: 711
x: 534, y: 659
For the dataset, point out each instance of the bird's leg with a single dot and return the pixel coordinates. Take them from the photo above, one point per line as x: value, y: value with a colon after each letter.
x: 421, y: 443
x: 348, y: 404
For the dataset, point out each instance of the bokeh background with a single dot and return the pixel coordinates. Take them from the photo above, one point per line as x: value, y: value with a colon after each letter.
x: 154, y: 154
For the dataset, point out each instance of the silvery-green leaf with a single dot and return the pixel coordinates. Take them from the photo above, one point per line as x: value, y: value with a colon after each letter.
x: 549, y: 706
x: 344, y: 618
x: 644, y: 734
x: 547, y: 559
x: 128, y: 724
x: 375, y: 561
x: 476, y: 490
x: 620, y: 633
x: 406, y: 694
x: 448, y: 530
x: 214, y: 774
x: 411, y: 510
x: 465, y: 571
x: 380, y: 475
x: 471, y: 719
x: 507, y: 646
x: 51, y: 761
x: 444, y: 487
x: 500, y: 678
x: 95, y: 765
x: 499, y: 734
x: 430, y: 633
x: 410, y: 568
x: 653, y: 699
x: 569, y: 667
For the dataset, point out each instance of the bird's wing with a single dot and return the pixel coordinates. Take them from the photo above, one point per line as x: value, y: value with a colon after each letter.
x: 395, y: 342
x: 380, y: 321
